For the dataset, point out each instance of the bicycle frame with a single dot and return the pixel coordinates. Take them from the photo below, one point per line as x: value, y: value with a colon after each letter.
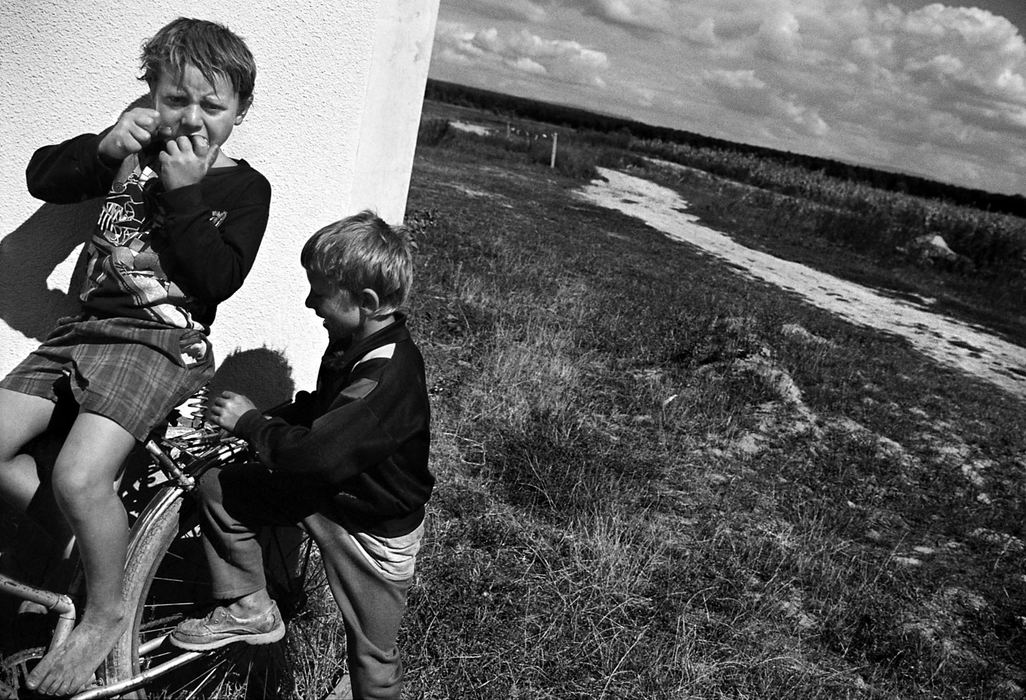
x: 179, y: 456
x: 58, y: 603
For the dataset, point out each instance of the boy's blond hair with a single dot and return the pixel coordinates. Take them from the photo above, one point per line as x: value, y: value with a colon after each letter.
x: 364, y: 252
x: 212, y: 48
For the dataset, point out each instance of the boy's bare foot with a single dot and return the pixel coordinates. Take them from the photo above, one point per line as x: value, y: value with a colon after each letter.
x: 68, y: 668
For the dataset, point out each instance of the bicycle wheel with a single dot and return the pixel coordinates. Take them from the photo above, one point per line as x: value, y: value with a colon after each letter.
x: 166, y: 580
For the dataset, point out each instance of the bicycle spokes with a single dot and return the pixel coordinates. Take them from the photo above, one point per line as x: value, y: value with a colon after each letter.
x: 305, y: 664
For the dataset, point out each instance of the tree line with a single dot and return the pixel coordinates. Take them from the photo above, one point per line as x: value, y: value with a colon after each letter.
x: 617, y: 128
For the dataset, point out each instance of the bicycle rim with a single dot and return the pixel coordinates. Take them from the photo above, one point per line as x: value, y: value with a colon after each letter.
x: 166, y: 580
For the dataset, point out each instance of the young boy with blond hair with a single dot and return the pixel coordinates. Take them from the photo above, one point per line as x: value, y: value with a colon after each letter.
x: 178, y: 232
x: 348, y: 461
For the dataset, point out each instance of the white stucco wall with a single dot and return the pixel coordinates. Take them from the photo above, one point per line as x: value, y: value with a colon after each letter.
x: 333, y: 127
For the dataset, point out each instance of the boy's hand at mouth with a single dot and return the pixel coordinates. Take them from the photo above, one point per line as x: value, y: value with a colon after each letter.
x: 133, y: 132
x: 185, y: 160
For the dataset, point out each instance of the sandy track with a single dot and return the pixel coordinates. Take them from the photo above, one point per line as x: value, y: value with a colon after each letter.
x: 948, y: 341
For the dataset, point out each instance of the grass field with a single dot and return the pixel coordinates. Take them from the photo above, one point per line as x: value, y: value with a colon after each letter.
x: 658, y: 480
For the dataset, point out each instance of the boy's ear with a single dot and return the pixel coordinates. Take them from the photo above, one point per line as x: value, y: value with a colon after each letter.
x: 369, y: 302
x: 243, y: 110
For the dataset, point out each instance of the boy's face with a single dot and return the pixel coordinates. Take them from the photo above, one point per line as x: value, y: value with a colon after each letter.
x: 189, y: 105
x: 336, y: 306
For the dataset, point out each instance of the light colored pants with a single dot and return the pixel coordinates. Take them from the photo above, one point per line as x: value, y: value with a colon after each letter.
x: 369, y: 576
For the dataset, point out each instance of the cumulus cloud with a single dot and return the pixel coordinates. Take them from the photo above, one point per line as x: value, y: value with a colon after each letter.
x: 963, y: 62
x: 942, y: 77
x: 520, y: 51
x: 742, y: 90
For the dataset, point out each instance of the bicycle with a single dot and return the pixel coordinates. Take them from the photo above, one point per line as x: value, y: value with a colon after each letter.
x: 166, y: 580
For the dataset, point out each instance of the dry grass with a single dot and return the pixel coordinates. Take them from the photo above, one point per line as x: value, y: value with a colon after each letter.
x: 659, y: 481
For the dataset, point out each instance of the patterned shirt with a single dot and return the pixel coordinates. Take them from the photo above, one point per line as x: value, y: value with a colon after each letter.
x: 156, y: 255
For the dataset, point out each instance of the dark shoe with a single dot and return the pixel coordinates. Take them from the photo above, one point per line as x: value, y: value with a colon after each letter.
x: 221, y: 628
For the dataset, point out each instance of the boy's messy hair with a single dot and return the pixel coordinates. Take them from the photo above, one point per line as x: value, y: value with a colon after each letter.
x: 364, y: 252
x: 213, y: 48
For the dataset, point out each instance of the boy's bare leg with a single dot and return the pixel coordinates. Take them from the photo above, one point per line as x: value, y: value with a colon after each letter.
x: 84, y: 483
x: 22, y: 418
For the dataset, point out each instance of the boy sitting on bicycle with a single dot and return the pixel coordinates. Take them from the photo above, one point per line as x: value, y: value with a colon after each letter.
x: 178, y: 232
x: 349, y: 461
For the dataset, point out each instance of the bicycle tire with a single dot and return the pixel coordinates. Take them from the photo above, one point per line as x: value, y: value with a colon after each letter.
x: 166, y: 581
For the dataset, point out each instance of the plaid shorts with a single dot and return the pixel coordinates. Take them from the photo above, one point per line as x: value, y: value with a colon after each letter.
x: 131, y: 371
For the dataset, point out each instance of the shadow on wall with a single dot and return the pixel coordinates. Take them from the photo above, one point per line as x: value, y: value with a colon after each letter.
x: 30, y: 254
x: 262, y: 374
x: 30, y: 306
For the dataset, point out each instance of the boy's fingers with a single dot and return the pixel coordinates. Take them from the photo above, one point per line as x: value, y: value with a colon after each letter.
x: 147, y: 119
x: 203, y: 148
x: 141, y: 133
x: 211, y: 155
x: 184, y: 143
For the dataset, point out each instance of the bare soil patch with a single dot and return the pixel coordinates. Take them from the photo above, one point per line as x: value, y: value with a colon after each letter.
x: 946, y: 340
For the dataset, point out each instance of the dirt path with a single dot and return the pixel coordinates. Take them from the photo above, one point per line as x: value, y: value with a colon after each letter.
x: 946, y: 340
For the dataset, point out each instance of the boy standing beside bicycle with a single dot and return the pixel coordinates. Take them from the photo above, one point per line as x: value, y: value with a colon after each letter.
x: 349, y: 461
x: 179, y: 229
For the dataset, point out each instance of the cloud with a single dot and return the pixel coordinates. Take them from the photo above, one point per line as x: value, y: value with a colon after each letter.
x: 520, y: 52
x: 964, y: 63
x: 535, y: 11
x: 939, y: 77
x: 985, y: 44
x: 702, y: 33
x: 734, y: 81
x: 700, y: 22
x: 743, y: 91
x: 648, y: 15
x: 646, y: 97
x: 779, y: 37
x: 527, y: 65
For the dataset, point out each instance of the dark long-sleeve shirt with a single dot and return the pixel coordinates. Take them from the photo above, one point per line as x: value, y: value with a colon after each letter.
x: 365, y: 432
x: 169, y: 256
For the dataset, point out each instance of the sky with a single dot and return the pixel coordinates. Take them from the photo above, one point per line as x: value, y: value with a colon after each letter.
x: 935, y: 89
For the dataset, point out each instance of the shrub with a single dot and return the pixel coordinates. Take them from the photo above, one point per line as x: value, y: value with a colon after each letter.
x: 571, y: 160
x: 433, y: 132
